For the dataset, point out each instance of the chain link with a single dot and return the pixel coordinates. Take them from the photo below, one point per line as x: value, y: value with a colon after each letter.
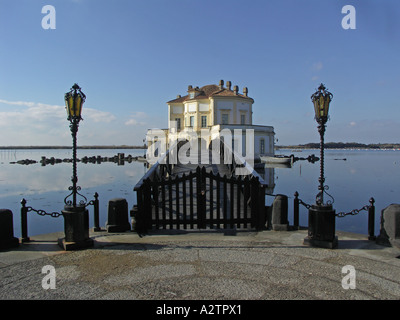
x: 53, y: 214
x: 353, y: 212
x: 340, y: 214
x: 308, y: 206
x: 44, y: 213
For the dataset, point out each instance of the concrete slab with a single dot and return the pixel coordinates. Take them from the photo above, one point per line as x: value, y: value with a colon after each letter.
x: 177, y: 265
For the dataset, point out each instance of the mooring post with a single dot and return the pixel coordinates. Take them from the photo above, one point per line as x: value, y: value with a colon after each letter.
x: 371, y: 220
x: 7, y: 239
x: 253, y: 204
x: 96, y: 212
x: 24, y: 222
x: 262, y: 218
x: 296, y: 210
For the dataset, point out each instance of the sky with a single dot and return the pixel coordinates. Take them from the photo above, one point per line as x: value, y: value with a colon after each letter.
x: 132, y: 56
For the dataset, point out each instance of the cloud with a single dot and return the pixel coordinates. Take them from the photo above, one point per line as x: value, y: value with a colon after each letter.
x: 317, y: 66
x: 131, y: 122
x: 18, y: 103
x: 352, y: 124
x: 43, y: 112
x: 32, y: 114
x: 136, y: 118
x: 36, y: 123
x: 98, y: 116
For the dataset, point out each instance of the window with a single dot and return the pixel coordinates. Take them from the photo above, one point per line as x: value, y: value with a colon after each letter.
x: 191, y: 95
x: 178, y: 123
x: 262, y: 146
x: 192, y: 121
x: 242, y: 119
x: 203, y: 121
x: 225, y: 118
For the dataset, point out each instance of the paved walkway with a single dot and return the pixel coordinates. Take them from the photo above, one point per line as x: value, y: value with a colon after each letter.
x: 201, y: 265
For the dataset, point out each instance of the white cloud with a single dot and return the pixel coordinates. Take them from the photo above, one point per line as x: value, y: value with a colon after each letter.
x: 35, y: 123
x: 18, y: 103
x: 317, y: 66
x: 136, y: 118
x: 131, y: 122
x: 98, y: 116
x: 42, y: 112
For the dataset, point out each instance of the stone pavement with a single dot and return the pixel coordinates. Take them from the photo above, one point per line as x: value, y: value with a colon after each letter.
x: 196, y: 265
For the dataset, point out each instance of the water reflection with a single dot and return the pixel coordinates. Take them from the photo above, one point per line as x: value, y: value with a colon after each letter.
x: 119, y: 159
x: 45, y: 187
x: 352, y: 182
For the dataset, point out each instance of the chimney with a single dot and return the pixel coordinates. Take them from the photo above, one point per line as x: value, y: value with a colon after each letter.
x: 245, y: 91
x: 228, y: 85
x: 221, y: 84
x: 236, y: 89
x: 178, y: 96
x: 190, y: 87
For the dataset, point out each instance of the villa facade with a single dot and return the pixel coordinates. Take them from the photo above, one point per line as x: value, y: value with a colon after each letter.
x: 207, y: 111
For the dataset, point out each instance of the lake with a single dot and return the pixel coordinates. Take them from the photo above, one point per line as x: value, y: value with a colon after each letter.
x: 352, y: 182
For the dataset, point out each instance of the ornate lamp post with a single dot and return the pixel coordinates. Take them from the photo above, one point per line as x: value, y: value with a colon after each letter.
x: 76, y: 216
x: 74, y: 101
x: 321, y: 216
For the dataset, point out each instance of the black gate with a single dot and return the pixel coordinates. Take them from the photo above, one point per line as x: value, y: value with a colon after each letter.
x: 199, y: 199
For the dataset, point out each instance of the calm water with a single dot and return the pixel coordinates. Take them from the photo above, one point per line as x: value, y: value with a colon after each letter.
x: 352, y: 182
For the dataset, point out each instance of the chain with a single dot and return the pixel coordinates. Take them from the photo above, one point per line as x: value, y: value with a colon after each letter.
x: 308, y: 206
x: 53, y: 214
x: 353, y: 212
x: 90, y: 203
x: 44, y: 213
x: 340, y: 214
x: 296, y: 195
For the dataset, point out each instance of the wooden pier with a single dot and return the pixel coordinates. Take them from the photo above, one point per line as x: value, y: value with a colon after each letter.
x: 199, y: 195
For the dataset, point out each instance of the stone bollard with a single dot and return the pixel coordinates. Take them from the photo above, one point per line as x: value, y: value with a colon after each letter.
x: 118, y: 220
x: 76, y: 229
x: 7, y: 239
x: 121, y: 159
x: 279, y: 216
x: 390, y: 226
x: 133, y: 214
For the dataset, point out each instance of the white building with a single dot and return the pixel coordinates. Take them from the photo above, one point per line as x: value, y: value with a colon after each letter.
x: 205, y: 112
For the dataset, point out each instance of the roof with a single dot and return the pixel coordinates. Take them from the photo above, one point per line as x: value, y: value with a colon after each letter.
x: 208, y: 91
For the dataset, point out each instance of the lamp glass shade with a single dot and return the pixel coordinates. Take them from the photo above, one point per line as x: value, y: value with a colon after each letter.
x: 78, y: 105
x: 73, y: 102
x: 69, y: 104
x: 321, y: 100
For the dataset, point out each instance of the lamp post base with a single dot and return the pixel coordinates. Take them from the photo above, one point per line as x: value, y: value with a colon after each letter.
x: 7, y: 239
x: 321, y: 243
x: 321, y: 227
x: 68, y: 246
x: 76, y: 228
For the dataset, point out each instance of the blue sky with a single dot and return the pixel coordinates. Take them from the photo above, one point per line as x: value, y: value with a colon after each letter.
x: 130, y: 57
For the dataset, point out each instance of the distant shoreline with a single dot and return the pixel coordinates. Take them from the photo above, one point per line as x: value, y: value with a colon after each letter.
x: 341, y: 145
x: 328, y: 145
x: 70, y: 147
